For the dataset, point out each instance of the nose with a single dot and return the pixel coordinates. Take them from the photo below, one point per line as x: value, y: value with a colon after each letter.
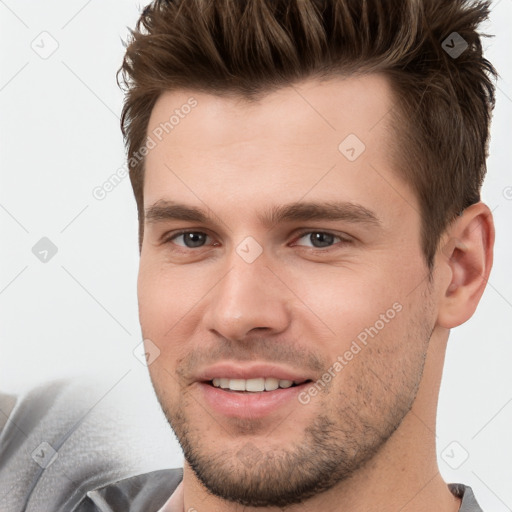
x: 250, y: 299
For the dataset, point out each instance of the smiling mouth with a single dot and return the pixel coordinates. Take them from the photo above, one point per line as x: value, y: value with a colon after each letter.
x: 257, y: 385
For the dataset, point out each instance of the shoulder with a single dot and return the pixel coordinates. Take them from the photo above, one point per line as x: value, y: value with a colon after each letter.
x: 469, y: 503
x: 32, y: 424
x: 139, y: 493
x: 64, y: 438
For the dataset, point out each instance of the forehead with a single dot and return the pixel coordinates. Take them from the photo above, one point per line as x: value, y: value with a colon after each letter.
x: 319, y: 139
x: 303, y: 112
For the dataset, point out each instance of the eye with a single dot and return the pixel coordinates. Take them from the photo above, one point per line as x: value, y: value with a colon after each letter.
x: 190, y: 239
x: 320, y: 239
x: 316, y: 239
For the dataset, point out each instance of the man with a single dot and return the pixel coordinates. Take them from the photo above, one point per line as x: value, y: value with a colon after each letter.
x: 307, y: 175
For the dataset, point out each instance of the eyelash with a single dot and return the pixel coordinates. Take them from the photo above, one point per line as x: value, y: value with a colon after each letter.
x: 298, y: 236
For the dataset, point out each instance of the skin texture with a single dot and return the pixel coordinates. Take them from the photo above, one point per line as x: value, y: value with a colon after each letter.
x: 303, y: 301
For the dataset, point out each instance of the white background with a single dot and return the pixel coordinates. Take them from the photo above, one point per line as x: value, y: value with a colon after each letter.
x: 77, y: 313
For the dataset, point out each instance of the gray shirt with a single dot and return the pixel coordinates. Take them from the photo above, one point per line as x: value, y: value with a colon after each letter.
x: 150, y: 492
x: 60, y: 440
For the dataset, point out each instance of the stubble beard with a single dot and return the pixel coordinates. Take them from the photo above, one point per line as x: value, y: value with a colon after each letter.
x: 333, y: 446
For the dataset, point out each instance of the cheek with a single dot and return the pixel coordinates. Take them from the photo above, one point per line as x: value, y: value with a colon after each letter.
x: 170, y: 309
x: 348, y: 302
x: 151, y: 299
x: 166, y: 295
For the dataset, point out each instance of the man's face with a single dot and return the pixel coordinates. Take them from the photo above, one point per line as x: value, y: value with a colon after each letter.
x: 306, y: 267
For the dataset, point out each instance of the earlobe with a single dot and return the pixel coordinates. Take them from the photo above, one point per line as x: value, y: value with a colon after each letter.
x: 466, y: 257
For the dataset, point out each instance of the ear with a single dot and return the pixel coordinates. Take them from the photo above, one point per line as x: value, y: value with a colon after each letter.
x: 465, y: 260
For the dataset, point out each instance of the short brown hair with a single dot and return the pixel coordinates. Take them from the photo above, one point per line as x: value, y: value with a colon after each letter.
x: 251, y: 47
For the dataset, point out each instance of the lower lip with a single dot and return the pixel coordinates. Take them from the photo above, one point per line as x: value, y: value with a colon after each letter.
x: 249, y: 405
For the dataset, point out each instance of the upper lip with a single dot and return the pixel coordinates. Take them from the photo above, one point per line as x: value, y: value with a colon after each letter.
x: 250, y: 371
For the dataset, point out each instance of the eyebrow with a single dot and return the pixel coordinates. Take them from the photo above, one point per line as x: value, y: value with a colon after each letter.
x: 164, y: 210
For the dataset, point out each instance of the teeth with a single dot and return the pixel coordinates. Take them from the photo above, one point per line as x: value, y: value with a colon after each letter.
x: 253, y: 385
x: 271, y: 384
x: 237, y: 384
